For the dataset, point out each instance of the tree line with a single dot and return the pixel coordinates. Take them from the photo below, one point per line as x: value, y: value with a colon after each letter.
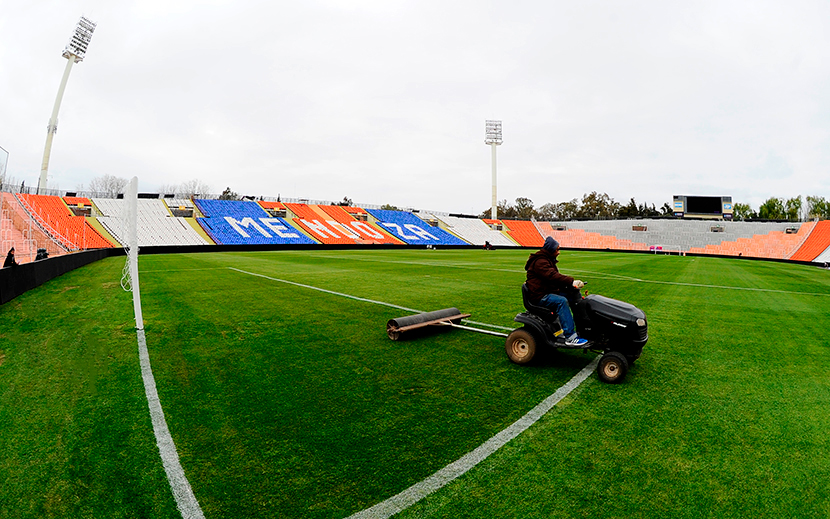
x: 595, y: 206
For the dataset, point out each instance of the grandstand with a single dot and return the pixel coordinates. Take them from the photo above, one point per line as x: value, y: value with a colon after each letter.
x: 233, y: 222
x: 331, y: 224
x: 523, y: 232
x: 57, y: 221
x: 412, y: 230
x: 155, y: 226
x: 70, y: 223
x: 668, y: 234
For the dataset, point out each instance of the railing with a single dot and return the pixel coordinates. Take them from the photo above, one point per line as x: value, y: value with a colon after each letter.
x: 64, y: 243
x: 33, y: 237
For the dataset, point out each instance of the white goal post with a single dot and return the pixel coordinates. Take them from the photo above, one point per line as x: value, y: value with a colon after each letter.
x: 129, y: 276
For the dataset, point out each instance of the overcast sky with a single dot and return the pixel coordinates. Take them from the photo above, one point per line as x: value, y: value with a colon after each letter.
x: 384, y: 101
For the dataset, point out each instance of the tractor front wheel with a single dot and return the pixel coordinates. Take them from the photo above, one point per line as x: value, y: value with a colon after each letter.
x: 520, y: 346
x: 612, y: 367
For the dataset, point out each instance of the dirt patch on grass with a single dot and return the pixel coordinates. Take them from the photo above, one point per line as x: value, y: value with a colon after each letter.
x: 2, y: 357
x: 68, y: 288
x: 111, y: 284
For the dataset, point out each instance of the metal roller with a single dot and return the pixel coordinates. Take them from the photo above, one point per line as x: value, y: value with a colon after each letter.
x: 447, y: 316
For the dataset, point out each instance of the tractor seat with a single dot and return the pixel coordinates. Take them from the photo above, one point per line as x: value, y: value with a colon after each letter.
x: 541, y: 311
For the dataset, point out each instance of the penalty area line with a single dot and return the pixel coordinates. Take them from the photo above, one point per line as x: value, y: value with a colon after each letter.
x: 456, y: 469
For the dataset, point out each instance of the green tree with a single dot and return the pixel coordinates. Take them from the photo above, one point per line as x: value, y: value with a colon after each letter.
x: 629, y: 210
x: 666, y: 210
x: 792, y: 209
x: 524, y: 209
x: 347, y: 202
x: 743, y: 211
x: 598, y: 207
x: 546, y: 212
x: 817, y: 207
x: 389, y: 207
x: 772, y: 209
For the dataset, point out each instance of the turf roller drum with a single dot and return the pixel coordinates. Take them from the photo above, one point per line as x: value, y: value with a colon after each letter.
x: 445, y: 317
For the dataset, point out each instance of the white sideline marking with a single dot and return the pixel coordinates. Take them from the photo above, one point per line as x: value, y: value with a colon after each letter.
x: 418, y: 491
x: 185, y: 499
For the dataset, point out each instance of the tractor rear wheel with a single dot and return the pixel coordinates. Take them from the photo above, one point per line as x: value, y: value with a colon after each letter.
x: 520, y: 346
x: 612, y: 367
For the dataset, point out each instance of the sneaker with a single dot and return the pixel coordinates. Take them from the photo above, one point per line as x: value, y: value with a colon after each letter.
x: 575, y: 340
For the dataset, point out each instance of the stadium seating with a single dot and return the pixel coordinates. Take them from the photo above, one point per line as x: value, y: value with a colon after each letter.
x: 672, y: 234
x: 155, y: 225
x: 412, y: 230
x: 271, y: 205
x: 333, y: 225
x: 523, y: 231
x: 55, y: 218
x: 775, y: 244
x: 472, y: 230
x: 167, y: 222
x: 233, y: 222
x: 77, y: 201
x: 817, y: 244
x: 369, y: 232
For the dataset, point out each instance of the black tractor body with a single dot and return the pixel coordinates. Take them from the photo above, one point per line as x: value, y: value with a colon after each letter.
x: 616, y: 329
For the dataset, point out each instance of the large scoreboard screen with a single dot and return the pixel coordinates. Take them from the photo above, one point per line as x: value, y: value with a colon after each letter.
x: 703, y: 206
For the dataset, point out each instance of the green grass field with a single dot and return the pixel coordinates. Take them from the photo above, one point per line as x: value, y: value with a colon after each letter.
x: 286, y: 401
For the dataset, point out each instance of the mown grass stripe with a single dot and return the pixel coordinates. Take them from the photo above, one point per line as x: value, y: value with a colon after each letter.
x: 454, y: 470
x: 185, y: 499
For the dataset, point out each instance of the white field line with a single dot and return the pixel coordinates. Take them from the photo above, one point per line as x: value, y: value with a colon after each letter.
x: 185, y: 499
x: 418, y: 491
x: 327, y: 291
x: 599, y: 275
x: 358, y: 298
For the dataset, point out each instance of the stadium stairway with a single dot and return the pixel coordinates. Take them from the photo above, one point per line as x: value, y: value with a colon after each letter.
x: 10, y: 236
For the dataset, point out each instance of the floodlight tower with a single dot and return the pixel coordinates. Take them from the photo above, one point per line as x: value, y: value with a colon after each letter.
x: 492, y: 136
x: 74, y: 52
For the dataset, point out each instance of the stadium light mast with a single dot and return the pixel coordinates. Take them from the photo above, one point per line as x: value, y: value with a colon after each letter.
x: 74, y: 52
x: 492, y: 136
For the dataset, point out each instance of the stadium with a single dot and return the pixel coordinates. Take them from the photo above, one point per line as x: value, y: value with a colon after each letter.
x: 166, y: 354
x: 284, y: 397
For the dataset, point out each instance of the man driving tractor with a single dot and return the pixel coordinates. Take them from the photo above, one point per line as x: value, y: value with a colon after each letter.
x: 553, y: 290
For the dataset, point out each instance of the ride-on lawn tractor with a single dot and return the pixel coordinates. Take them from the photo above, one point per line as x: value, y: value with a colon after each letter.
x: 614, y: 328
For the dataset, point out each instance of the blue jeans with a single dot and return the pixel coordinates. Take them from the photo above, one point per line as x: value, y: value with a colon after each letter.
x: 559, y: 304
